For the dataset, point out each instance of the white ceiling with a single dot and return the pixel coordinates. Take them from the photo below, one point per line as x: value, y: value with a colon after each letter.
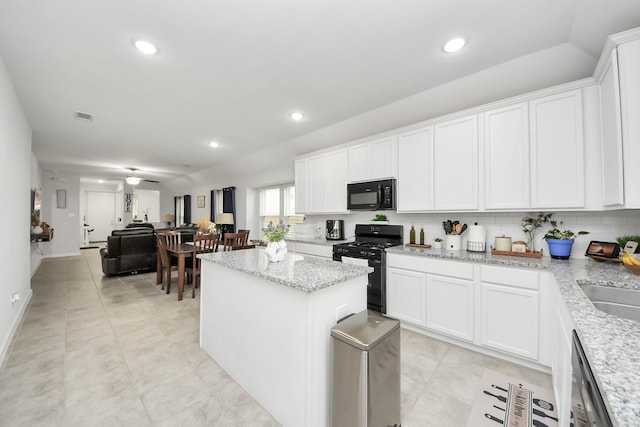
x: 232, y: 71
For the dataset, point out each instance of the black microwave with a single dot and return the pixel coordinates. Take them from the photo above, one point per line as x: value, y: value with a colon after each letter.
x: 372, y: 196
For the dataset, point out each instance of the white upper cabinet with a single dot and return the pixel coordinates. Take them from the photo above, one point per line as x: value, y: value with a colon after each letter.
x: 557, y: 151
x: 629, y: 74
x: 337, y: 181
x: 317, y: 184
x: 321, y: 183
x: 373, y: 160
x: 456, y: 164
x: 506, y: 157
x: 415, y: 170
x: 611, y: 148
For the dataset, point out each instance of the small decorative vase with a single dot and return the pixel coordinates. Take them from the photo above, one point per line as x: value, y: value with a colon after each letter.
x: 276, y: 251
x: 36, y: 229
x: 437, y: 245
x: 560, y: 248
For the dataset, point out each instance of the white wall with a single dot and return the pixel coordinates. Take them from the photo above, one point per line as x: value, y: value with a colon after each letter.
x: 16, y: 175
x: 148, y: 200
x: 66, y: 222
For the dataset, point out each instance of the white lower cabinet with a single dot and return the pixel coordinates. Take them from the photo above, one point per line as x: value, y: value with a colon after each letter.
x: 494, y: 307
x: 449, y: 306
x: 405, y: 295
x: 510, y: 319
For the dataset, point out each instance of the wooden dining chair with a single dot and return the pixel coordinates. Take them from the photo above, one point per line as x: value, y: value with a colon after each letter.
x: 204, y: 243
x: 172, y: 237
x: 165, y: 260
x: 232, y: 241
x: 245, y: 240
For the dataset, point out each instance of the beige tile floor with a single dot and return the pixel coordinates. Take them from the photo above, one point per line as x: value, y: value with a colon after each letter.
x: 99, y: 351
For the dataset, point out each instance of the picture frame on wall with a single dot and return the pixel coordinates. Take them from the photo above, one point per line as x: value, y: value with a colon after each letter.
x: 61, y: 199
x: 201, y: 201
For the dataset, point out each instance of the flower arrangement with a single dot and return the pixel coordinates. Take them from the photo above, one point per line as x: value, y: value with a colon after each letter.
x: 275, y: 233
x: 205, y: 225
x: 530, y: 226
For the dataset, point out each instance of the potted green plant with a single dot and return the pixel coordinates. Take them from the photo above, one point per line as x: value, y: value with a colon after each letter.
x: 380, y: 219
x: 560, y: 241
x: 437, y: 243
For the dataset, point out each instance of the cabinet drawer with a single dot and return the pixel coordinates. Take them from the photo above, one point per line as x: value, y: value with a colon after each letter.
x: 431, y: 265
x: 317, y: 250
x: 518, y: 278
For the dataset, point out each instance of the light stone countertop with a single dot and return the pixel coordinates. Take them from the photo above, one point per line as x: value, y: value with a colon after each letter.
x: 612, y: 344
x: 307, y: 274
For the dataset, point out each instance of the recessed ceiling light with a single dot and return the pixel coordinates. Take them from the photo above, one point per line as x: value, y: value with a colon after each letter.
x: 454, y: 45
x: 296, y: 116
x: 145, y: 47
x: 100, y: 181
x: 214, y: 144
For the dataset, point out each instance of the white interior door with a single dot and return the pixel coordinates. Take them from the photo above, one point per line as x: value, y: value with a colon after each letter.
x: 101, y: 214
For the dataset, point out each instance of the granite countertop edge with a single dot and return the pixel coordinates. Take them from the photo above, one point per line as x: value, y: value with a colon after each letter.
x: 612, y: 344
x: 307, y: 274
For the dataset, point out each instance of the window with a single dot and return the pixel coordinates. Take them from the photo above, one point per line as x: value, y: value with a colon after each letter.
x: 279, y: 204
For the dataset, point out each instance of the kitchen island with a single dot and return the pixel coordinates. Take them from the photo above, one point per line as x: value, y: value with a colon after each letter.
x: 268, y: 326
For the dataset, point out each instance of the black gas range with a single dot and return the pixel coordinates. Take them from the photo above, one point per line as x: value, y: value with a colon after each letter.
x: 369, y: 248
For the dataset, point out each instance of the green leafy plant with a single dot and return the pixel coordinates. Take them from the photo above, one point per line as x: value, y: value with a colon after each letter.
x: 437, y: 239
x: 380, y: 217
x: 555, y: 233
x: 622, y: 241
x: 275, y: 233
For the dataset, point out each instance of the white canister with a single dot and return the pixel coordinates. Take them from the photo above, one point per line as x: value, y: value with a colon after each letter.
x: 503, y: 244
x: 453, y: 242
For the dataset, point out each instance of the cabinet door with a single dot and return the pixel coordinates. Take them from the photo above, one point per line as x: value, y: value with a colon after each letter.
x: 360, y: 162
x: 456, y: 164
x: 336, y: 188
x: 415, y: 170
x: 629, y: 73
x: 317, y: 184
x: 510, y: 319
x: 611, y: 150
x: 449, y: 306
x: 506, y: 146
x: 300, y: 177
x: 384, y: 158
x: 406, y: 295
x: 557, y: 151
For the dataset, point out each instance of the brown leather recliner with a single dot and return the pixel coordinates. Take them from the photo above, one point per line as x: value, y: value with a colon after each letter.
x: 130, y: 250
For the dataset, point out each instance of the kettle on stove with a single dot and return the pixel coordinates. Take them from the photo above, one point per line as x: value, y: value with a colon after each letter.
x: 335, y: 229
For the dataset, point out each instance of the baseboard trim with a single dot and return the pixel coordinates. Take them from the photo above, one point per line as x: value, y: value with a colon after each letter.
x: 8, y: 342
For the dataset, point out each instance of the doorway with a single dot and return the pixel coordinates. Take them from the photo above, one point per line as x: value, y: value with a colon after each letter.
x: 101, y: 214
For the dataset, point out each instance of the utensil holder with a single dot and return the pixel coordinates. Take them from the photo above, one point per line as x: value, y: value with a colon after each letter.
x: 453, y: 242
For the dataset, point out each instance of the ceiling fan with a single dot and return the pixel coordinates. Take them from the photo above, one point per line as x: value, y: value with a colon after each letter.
x: 133, y: 179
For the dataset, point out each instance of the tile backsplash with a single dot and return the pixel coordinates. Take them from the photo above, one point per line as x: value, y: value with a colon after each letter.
x: 603, y: 225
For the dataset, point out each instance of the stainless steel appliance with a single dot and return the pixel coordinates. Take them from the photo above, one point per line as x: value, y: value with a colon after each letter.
x: 372, y: 196
x: 366, y: 371
x: 335, y: 229
x: 587, y: 404
x: 369, y: 249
